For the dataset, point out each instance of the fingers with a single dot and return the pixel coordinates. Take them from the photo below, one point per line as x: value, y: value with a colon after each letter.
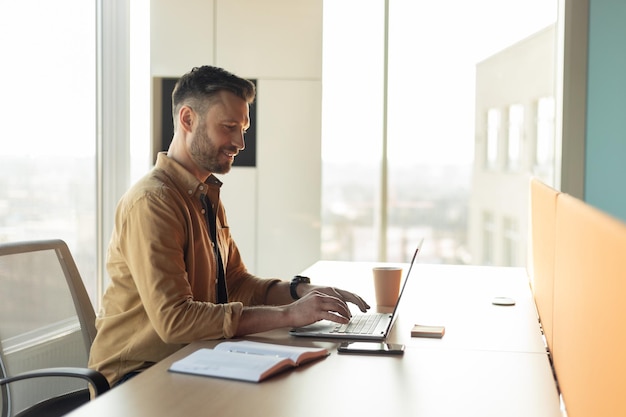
x: 335, y: 306
x: 335, y: 317
x: 317, y: 305
x: 345, y: 296
x: 351, y: 298
x: 324, y: 303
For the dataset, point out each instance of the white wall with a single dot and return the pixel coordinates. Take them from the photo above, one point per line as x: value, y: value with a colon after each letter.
x: 274, y: 208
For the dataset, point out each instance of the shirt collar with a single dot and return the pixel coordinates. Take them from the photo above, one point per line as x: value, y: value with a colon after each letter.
x: 184, y: 178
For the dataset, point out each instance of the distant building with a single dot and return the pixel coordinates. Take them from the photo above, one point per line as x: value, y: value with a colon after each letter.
x: 514, y: 140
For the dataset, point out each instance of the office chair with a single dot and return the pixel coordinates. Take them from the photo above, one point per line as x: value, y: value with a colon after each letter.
x: 47, y: 326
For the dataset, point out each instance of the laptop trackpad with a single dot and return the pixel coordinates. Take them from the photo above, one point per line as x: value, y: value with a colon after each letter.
x: 323, y: 326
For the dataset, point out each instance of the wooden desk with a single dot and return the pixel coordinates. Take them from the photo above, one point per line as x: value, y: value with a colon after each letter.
x: 468, y: 372
x: 457, y: 297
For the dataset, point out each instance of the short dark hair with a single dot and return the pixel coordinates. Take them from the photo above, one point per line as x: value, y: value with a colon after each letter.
x: 197, y: 87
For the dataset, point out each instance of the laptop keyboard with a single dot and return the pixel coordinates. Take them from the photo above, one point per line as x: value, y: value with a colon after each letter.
x: 360, y: 324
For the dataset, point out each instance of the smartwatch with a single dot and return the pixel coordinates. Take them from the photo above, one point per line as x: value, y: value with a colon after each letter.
x: 298, y: 279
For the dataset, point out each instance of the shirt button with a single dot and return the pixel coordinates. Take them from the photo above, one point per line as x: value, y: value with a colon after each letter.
x: 190, y: 192
x: 201, y: 187
x: 216, y: 280
x: 203, y: 211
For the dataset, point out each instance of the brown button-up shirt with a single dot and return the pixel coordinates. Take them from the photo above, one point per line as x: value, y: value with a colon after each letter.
x: 162, y: 271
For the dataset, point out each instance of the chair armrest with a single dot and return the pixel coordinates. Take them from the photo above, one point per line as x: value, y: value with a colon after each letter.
x: 95, y: 378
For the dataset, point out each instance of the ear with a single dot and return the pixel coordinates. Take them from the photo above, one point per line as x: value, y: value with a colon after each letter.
x: 186, y: 117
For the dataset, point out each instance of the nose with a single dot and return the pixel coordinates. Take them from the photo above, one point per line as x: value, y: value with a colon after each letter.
x: 239, y: 142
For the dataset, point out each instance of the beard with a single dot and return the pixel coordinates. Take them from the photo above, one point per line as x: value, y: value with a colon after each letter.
x: 208, y: 156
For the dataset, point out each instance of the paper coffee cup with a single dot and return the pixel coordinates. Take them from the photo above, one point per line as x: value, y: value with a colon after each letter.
x: 387, y: 284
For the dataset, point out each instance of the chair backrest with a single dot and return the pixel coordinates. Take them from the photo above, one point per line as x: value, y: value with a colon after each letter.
x: 46, y: 320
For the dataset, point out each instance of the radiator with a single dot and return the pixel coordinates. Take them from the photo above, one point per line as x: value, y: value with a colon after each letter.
x: 66, y: 350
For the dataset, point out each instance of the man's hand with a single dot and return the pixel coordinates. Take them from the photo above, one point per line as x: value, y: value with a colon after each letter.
x: 345, y: 296
x: 323, y: 303
x: 316, y: 303
x: 315, y: 306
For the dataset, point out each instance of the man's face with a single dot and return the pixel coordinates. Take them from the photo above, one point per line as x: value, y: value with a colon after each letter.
x: 219, y: 135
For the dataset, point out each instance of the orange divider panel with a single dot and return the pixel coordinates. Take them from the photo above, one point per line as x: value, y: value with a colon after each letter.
x: 589, y: 340
x: 543, y: 224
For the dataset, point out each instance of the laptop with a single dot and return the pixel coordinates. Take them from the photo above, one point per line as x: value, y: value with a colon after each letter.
x: 362, y: 326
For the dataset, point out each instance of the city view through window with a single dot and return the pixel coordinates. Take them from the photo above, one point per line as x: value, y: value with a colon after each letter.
x: 48, y: 159
x: 431, y: 128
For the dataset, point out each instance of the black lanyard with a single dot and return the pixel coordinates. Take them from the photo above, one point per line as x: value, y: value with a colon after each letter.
x: 209, y: 215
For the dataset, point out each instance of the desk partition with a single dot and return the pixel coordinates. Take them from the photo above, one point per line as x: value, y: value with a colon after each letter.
x: 589, y: 350
x: 543, y: 214
x: 579, y: 274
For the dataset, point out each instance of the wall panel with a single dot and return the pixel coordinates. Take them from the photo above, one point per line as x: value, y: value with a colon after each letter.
x: 273, y: 209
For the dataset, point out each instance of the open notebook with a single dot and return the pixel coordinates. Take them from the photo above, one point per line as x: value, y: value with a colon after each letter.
x: 362, y: 326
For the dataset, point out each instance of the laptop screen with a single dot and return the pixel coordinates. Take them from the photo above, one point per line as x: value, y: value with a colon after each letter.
x: 406, y: 278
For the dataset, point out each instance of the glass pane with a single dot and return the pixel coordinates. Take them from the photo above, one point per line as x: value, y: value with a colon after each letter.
x: 140, y: 86
x: 488, y: 238
x: 352, y: 105
x: 48, y: 116
x: 444, y: 139
x: 510, y: 242
x: 434, y: 142
x: 493, y: 138
x: 544, y: 163
x: 515, y: 137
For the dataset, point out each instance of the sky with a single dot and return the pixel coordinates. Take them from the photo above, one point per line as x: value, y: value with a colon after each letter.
x: 434, y: 47
x: 48, y: 94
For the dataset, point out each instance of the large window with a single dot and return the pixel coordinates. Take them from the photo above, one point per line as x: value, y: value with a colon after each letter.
x: 399, y: 134
x: 48, y: 118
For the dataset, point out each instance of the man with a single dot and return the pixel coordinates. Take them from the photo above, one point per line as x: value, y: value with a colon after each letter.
x: 176, y: 273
